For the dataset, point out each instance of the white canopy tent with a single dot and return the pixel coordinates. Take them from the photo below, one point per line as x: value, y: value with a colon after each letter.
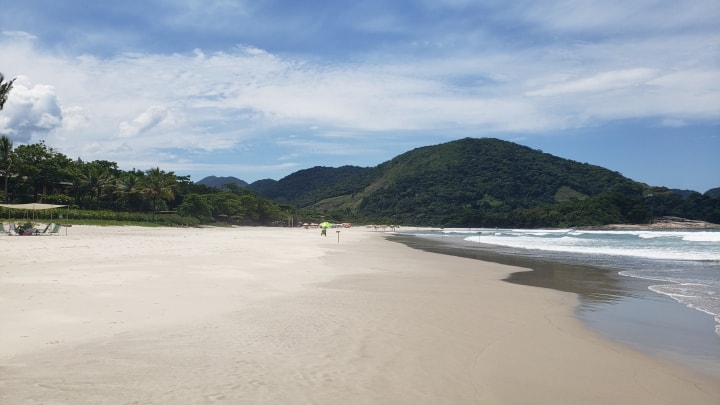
x: 33, y: 207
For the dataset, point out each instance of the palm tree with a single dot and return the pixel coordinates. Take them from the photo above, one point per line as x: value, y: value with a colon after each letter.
x: 95, y: 180
x: 4, y: 90
x: 128, y: 190
x: 159, y: 184
x: 6, y: 147
x: 5, y: 142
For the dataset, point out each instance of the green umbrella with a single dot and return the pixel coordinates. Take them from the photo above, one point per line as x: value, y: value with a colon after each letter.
x: 326, y: 224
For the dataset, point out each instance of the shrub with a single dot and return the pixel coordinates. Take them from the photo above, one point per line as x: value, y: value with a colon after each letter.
x: 60, y: 199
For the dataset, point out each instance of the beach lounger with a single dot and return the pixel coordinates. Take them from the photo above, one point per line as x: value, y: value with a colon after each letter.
x: 38, y: 232
x: 55, y: 230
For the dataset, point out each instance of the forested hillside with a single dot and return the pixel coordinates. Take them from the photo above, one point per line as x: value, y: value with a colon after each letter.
x: 219, y: 182
x: 485, y: 175
x: 306, y: 187
x: 484, y: 182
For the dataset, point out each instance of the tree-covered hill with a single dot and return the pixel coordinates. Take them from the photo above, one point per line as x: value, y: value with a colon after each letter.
x: 219, y: 182
x: 484, y: 171
x: 474, y: 182
x: 713, y: 192
x: 481, y: 177
x: 305, y: 187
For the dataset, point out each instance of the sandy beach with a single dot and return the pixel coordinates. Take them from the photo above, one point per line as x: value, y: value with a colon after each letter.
x: 131, y: 315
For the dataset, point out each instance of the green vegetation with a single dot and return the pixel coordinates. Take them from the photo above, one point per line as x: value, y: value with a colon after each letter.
x: 484, y: 182
x: 99, y: 192
x: 4, y: 90
x: 464, y: 183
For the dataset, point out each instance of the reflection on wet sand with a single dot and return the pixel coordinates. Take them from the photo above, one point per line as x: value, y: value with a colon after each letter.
x: 594, y: 285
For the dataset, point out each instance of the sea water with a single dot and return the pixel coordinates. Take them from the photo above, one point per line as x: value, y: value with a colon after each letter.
x: 682, y: 264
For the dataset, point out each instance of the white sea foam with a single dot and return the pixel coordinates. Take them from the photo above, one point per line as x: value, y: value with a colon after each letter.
x: 662, y: 245
x: 697, y: 296
x: 702, y: 237
x: 574, y: 245
x: 649, y: 235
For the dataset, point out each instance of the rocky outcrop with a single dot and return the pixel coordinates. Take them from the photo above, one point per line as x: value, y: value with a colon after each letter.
x: 667, y: 223
x: 681, y: 223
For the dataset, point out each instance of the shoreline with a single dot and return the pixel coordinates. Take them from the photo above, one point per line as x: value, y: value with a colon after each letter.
x: 278, y: 315
x: 620, y: 308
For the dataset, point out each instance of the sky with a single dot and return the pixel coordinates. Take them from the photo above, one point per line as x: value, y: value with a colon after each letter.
x: 261, y: 89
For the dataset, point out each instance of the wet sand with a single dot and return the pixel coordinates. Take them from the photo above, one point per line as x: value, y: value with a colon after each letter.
x: 278, y: 316
x: 621, y: 308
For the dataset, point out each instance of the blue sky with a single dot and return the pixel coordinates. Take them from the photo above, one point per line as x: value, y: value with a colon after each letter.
x: 261, y: 89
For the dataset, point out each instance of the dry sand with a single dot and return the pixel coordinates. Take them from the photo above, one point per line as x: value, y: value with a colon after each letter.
x: 129, y: 315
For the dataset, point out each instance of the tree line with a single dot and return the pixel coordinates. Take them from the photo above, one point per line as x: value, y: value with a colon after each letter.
x: 38, y: 173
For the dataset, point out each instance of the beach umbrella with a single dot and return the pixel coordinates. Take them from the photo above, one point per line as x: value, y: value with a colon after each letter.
x: 326, y: 224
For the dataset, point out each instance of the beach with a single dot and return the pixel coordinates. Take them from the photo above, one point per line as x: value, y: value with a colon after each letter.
x: 122, y: 315
x: 624, y: 308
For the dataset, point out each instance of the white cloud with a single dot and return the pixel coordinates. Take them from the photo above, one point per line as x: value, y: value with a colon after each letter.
x: 130, y: 107
x: 19, y: 35
x: 30, y: 109
x: 152, y: 117
x: 75, y: 118
x: 671, y: 123
x: 601, y: 82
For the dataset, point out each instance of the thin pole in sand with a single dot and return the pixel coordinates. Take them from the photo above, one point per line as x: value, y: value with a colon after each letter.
x: 338, y: 233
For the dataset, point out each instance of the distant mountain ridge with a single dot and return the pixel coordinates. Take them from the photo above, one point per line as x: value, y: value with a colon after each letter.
x: 307, y: 186
x: 450, y: 182
x: 218, y: 182
x: 482, y: 182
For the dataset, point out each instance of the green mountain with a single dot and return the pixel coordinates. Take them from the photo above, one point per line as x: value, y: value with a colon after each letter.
x: 713, y: 192
x: 306, y: 187
x: 218, y: 182
x: 469, y: 182
x: 487, y: 175
x: 449, y: 184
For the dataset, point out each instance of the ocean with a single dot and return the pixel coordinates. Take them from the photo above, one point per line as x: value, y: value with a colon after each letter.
x: 672, y: 269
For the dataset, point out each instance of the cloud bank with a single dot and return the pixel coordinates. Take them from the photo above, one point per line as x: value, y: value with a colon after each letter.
x: 33, y: 110
x: 281, y: 81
